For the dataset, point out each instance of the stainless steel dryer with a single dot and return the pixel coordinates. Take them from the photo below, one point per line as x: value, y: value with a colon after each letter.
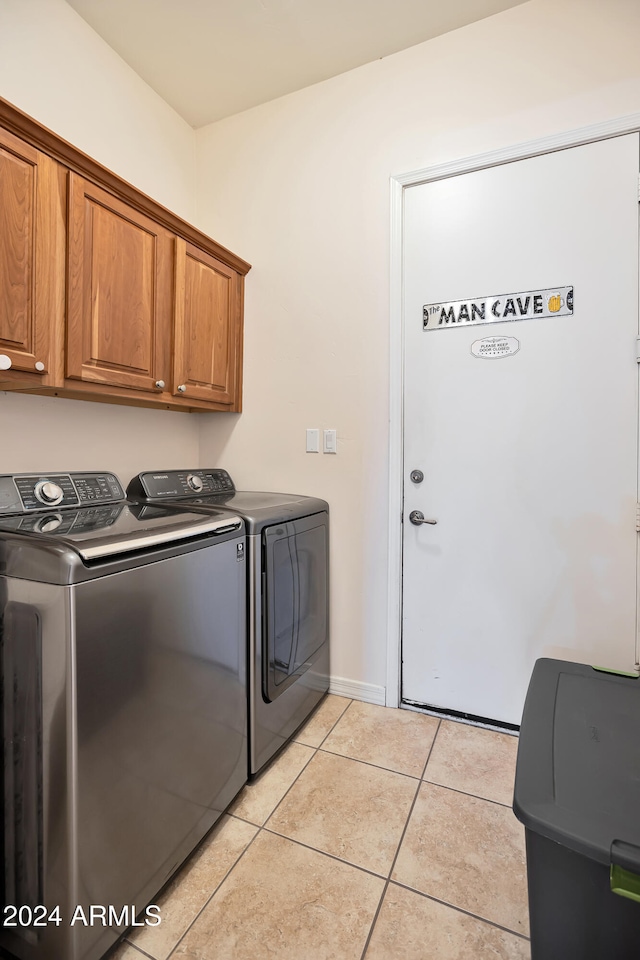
x: 123, y: 676
x: 288, y: 595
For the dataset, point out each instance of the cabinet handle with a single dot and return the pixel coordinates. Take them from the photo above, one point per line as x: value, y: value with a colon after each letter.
x: 5, y: 362
x: 39, y: 365
x: 181, y: 388
x: 160, y: 384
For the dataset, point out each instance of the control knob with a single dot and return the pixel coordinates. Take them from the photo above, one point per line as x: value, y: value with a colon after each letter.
x: 195, y: 482
x: 48, y: 492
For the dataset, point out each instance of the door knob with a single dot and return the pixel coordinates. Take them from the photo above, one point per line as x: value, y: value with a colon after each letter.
x: 417, y: 476
x: 417, y: 517
x: 5, y: 362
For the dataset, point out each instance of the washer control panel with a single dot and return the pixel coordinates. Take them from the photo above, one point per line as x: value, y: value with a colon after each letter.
x: 23, y: 493
x: 174, y: 484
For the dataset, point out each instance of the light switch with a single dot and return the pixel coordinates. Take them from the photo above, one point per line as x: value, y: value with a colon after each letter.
x: 330, y: 442
x: 313, y: 440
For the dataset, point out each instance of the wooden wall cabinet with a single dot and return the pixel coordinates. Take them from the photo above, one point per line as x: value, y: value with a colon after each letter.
x: 208, y: 304
x: 119, y: 293
x: 32, y: 251
x: 104, y: 294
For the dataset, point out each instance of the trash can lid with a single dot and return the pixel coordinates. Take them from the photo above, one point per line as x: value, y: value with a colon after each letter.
x: 578, y: 769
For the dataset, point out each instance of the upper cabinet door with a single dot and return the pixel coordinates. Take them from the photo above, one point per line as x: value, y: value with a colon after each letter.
x: 208, y: 328
x: 119, y: 291
x: 32, y: 224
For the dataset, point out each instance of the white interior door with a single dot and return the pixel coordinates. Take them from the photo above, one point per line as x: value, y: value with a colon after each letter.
x: 526, y: 430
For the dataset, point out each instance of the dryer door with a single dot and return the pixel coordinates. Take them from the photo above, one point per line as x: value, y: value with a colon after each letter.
x: 295, y: 585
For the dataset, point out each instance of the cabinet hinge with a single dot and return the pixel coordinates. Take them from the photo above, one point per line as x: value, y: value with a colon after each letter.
x: 639, y: 188
x: 638, y: 349
x: 638, y: 517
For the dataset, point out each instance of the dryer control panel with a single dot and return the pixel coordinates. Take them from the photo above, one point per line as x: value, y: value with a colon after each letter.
x: 174, y: 484
x: 24, y: 493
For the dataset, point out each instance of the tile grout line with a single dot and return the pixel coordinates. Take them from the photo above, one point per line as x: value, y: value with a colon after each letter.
x: 465, y: 793
x: 315, y: 752
x: 411, y: 776
x: 467, y: 913
x: 260, y: 828
x: 368, y: 763
x: 213, y: 892
x: 323, y: 853
x: 445, y: 903
x: 329, y: 732
x: 393, y: 863
x: 143, y: 953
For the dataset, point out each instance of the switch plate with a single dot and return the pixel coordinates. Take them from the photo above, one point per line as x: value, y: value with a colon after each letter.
x: 330, y: 442
x: 313, y: 440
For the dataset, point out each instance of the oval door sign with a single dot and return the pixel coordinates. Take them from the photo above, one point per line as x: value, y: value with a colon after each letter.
x: 493, y: 347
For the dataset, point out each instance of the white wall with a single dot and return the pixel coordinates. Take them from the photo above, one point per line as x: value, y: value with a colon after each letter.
x: 300, y: 186
x: 55, y: 68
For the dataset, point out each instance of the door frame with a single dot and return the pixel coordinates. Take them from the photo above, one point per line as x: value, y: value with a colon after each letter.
x: 520, y: 151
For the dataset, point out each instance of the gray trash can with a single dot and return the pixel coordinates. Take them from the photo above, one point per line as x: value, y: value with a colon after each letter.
x: 577, y: 793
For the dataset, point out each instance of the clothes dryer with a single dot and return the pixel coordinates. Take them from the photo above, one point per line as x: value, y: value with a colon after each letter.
x: 287, y: 600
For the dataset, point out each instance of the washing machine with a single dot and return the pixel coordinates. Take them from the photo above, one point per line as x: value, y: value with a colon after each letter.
x: 287, y: 598
x: 124, y: 714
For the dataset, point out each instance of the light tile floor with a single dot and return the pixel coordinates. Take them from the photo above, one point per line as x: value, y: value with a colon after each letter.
x: 377, y: 834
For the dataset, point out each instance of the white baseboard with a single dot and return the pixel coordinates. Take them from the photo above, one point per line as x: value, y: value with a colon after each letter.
x: 356, y: 690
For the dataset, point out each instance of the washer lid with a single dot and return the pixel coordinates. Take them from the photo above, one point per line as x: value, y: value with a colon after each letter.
x: 100, y: 532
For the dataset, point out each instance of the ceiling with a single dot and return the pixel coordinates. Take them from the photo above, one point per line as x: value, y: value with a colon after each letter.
x: 210, y: 59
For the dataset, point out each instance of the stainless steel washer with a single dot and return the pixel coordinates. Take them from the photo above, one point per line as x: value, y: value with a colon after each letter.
x: 124, y: 718
x: 288, y: 595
